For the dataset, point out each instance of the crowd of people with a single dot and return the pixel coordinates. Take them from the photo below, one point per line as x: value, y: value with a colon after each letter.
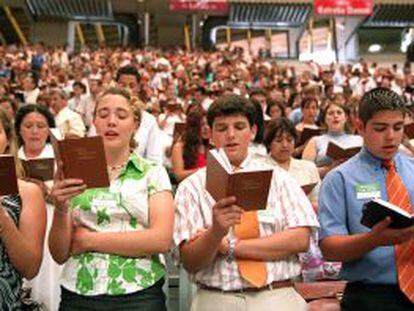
x: 159, y: 113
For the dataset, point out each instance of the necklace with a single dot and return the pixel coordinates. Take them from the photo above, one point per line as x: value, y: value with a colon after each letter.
x: 117, y: 167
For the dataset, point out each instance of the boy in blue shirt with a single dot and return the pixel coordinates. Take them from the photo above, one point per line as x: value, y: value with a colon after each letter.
x: 368, y: 256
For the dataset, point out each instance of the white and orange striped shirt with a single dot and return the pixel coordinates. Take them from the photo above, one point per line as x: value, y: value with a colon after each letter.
x: 288, y: 207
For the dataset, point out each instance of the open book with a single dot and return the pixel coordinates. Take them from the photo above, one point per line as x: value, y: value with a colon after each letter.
x: 251, y: 188
x: 337, y: 152
x: 308, y: 133
x: 8, y: 176
x: 42, y: 169
x: 82, y: 158
x: 376, y: 210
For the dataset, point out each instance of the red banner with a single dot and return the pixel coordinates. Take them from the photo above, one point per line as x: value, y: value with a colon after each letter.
x: 343, y: 7
x: 200, y: 5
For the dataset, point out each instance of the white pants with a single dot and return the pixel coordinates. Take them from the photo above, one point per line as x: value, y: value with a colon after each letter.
x: 283, y: 299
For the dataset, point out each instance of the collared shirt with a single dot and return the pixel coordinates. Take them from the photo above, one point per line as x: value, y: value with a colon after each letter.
x: 70, y: 122
x: 287, y: 207
x: 148, y: 138
x: 305, y: 173
x: 343, y: 192
x: 123, y: 207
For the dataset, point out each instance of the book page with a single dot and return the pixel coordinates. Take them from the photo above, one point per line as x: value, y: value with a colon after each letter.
x: 221, y: 157
x: 393, y: 207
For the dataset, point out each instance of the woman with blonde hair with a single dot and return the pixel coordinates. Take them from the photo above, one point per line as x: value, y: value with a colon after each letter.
x: 110, y: 239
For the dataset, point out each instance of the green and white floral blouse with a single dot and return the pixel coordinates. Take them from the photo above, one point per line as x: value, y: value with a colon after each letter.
x: 122, y: 207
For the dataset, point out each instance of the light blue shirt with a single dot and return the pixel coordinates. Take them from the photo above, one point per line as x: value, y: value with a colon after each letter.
x: 340, y: 211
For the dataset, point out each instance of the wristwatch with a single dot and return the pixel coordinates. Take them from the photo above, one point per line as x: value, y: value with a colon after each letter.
x: 232, y: 247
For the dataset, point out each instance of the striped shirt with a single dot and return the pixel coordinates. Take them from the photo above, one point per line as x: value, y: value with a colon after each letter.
x: 288, y: 207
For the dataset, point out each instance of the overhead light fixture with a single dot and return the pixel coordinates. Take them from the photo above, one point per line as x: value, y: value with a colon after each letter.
x: 375, y: 48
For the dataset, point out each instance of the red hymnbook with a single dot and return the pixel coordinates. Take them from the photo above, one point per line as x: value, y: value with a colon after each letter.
x: 82, y: 158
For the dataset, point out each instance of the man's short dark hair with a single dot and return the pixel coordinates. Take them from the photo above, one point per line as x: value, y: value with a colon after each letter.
x: 228, y: 105
x: 276, y: 128
x: 128, y: 70
x: 379, y: 99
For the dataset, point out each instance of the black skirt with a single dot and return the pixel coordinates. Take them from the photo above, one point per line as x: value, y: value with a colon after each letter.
x: 149, y: 299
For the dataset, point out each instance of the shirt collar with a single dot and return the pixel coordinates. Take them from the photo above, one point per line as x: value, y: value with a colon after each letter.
x: 136, y: 161
x: 377, y: 162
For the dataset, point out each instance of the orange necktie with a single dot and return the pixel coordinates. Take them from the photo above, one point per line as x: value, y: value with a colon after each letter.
x: 253, y: 271
x: 398, y: 195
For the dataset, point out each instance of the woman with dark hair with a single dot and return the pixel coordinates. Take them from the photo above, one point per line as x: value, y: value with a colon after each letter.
x: 279, y: 140
x: 189, y: 152
x: 22, y: 223
x: 335, y: 117
x: 256, y: 146
x: 32, y: 124
x: 275, y: 109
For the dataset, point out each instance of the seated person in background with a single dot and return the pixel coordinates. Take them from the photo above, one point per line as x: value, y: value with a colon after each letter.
x: 22, y: 223
x: 335, y: 119
x: 238, y: 259
x: 377, y: 263
x: 32, y: 126
x: 309, y: 108
x: 189, y: 152
x: 67, y: 121
x: 275, y: 109
x: 279, y: 140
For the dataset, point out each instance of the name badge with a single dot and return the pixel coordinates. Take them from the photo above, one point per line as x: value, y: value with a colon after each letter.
x: 368, y: 191
x: 103, y: 203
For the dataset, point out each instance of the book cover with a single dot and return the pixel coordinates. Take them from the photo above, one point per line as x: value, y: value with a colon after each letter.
x: 338, y: 152
x: 409, y: 130
x: 377, y: 210
x: 8, y: 176
x: 251, y: 188
x: 179, y: 128
x: 308, y: 188
x: 42, y: 169
x: 82, y: 158
x: 308, y: 133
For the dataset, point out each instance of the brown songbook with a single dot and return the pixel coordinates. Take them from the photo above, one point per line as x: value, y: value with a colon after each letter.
x: 308, y: 188
x: 308, y: 133
x: 409, y: 130
x: 82, y: 158
x: 42, y: 169
x: 8, y: 176
x: 338, y: 152
x: 251, y: 188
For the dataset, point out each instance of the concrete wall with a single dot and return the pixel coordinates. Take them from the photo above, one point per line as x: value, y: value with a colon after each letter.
x: 50, y: 32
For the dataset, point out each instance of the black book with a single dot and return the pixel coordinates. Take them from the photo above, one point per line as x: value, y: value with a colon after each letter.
x: 377, y: 210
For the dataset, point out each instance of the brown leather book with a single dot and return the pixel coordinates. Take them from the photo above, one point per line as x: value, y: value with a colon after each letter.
x: 82, y: 158
x: 251, y: 188
x: 409, y: 130
x: 42, y: 169
x: 321, y: 289
x: 337, y: 152
x: 179, y: 129
x: 308, y: 188
x: 308, y: 133
x: 8, y: 176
